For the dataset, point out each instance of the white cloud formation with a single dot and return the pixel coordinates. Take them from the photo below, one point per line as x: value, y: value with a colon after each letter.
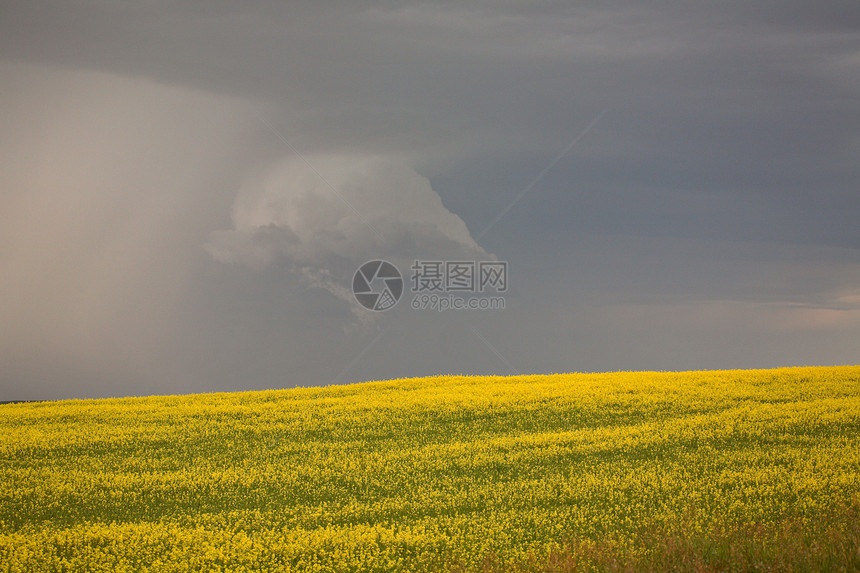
x: 326, y: 214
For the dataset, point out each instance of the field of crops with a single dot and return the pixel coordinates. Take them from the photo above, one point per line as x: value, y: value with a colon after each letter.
x: 447, y: 473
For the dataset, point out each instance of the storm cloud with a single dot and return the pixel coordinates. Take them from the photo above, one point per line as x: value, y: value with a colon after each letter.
x: 325, y: 226
x: 186, y: 190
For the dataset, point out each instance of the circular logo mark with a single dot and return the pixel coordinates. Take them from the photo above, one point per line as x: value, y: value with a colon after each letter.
x: 377, y: 285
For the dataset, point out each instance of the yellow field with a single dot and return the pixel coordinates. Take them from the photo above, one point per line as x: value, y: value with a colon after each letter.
x: 420, y: 474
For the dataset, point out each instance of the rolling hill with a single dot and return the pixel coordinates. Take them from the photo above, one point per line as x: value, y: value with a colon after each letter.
x: 566, y: 472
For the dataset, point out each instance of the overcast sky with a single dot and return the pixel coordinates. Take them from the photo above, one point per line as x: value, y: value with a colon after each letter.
x: 186, y: 190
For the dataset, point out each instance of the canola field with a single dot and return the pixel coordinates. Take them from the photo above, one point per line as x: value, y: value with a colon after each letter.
x: 429, y: 474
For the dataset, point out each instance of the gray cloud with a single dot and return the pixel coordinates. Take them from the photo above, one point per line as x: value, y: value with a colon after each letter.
x: 157, y: 234
x: 361, y: 209
x: 110, y: 186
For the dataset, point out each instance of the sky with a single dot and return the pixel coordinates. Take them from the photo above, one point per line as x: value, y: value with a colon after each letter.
x: 188, y: 189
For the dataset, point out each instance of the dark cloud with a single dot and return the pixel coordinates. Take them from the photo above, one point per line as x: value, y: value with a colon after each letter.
x: 185, y: 189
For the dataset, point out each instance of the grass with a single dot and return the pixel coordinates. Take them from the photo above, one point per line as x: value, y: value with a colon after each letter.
x: 697, y: 471
x: 830, y: 543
